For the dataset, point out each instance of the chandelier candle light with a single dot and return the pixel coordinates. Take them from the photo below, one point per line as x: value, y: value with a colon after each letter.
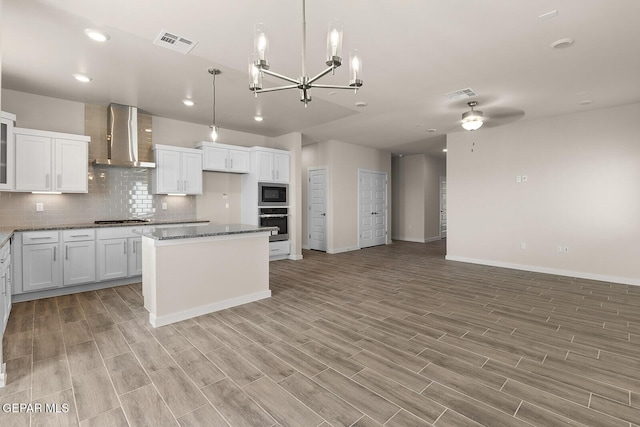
x: 258, y: 64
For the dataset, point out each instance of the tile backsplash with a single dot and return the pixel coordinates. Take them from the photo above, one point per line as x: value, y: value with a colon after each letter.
x: 114, y: 193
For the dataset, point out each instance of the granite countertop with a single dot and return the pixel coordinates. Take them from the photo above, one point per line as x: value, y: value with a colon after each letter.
x: 6, y: 233
x: 195, y: 231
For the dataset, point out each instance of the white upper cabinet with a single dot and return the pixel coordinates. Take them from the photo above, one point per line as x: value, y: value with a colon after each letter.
x: 271, y: 165
x: 7, y: 157
x: 178, y: 170
x: 224, y: 158
x: 50, y: 161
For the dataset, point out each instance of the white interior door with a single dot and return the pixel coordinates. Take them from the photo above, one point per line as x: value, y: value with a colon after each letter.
x: 372, y: 208
x: 443, y: 207
x: 317, y: 191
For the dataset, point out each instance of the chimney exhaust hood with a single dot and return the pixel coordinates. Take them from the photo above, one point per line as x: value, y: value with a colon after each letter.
x: 128, y: 138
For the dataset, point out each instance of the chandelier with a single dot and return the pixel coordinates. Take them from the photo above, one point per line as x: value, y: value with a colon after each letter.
x: 258, y: 64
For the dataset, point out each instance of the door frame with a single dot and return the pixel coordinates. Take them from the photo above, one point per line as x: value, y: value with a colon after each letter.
x: 440, y: 180
x: 326, y: 204
x: 386, y: 204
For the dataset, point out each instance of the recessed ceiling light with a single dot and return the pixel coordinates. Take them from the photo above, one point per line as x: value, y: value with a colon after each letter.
x: 548, y: 15
x: 361, y: 104
x: 96, y: 35
x: 562, y: 43
x: 82, y: 77
x: 444, y: 150
x: 188, y: 102
x: 258, y: 118
x: 582, y: 92
x: 432, y: 130
x: 585, y: 102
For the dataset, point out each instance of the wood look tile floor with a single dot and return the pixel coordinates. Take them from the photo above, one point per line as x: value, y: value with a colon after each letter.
x: 392, y: 335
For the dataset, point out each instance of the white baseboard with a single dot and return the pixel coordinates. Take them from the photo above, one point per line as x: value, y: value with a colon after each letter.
x: 557, y: 272
x: 206, y: 309
x: 341, y: 250
x: 413, y: 239
x: 295, y: 257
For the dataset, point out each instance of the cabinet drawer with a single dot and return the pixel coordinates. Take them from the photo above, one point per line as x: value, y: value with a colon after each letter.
x: 78, y: 235
x: 119, y: 232
x: 279, y: 248
x: 37, y: 237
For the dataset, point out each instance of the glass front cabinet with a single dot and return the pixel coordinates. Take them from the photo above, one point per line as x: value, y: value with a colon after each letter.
x: 7, y: 157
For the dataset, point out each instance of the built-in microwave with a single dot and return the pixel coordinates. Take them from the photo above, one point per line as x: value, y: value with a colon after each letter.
x: 270, y: 194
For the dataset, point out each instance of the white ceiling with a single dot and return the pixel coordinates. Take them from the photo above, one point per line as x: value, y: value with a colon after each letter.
x: 414, y: 51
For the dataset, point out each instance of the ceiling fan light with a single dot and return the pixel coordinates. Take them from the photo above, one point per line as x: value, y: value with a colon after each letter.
x: 472, y: 120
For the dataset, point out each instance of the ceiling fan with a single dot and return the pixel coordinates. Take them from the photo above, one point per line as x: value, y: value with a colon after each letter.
x: 495, y: 116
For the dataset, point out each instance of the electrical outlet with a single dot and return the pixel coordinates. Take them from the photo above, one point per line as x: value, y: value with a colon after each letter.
x: 565, y: 249
x: 524, y: 178
x: 164, y: 206
x: 39, y: 207
x: 559, y: 249
x: 523, y: 245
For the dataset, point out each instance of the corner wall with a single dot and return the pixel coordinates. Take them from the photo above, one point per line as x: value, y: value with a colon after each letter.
x: 343, y: 161
x: 581, y: 192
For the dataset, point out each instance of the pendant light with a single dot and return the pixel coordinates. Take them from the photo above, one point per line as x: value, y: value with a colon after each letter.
x: 214, y: 129
x: 472, y: 120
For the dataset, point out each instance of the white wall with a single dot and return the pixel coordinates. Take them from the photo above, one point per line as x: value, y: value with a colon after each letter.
x: 582, y: 192
x: 43, y: 112
x: 343, y: 161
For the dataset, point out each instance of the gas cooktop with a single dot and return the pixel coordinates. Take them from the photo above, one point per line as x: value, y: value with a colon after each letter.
x: 121, y: 221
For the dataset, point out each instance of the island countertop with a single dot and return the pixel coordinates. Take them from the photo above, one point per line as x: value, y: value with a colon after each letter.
x: 196, y: 231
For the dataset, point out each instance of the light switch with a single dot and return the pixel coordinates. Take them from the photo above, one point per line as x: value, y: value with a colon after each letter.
x: 164, y: 206
x: 518, y: 178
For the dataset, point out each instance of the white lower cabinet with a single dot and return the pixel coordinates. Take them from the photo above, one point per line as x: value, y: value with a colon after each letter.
x: 5, y: 285
x: 279, y: 249
x: 79, y: 256
x: 135, y: 256
x: 41, y: 267
x: 112, y: 259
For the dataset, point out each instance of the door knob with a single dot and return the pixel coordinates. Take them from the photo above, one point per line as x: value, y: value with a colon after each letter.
x: 323, y: 214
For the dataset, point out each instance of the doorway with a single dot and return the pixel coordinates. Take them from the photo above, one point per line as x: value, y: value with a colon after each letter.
x: 372, y: 208
x: 317, y: 201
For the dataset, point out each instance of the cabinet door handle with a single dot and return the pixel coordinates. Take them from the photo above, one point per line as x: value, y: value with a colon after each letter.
x: 80, y: 235
x: 134, y: 247
x: 125, y: 247
x: 232, y: 163
x: 54, y: 252
x: 66, y: 252
x: 4, y: 287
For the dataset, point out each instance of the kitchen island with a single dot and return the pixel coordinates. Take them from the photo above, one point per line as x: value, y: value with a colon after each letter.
x: 194, y: 270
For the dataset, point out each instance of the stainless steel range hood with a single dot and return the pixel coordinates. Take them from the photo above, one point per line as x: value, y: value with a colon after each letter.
x: 128, y: 138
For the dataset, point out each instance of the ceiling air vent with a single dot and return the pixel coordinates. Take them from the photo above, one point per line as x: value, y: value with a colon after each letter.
x: 461, y: 94
x: 174, y: 42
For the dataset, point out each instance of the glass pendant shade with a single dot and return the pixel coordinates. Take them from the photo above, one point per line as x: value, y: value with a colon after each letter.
x: 214, y: 133
x: 334, y: 43
x: 255, y: 76
x: 355, y: 69
x: 260, y: 42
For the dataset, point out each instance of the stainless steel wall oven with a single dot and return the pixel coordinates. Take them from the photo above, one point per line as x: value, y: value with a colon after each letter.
x: 275, y: 217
